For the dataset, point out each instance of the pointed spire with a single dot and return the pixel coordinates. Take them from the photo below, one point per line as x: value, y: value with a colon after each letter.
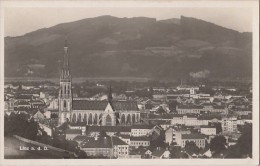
x: 66, y: 55
x: 109, y: 96
x: 66, y: 42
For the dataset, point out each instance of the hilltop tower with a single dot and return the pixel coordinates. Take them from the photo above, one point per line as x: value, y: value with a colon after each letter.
x: 65, y: 92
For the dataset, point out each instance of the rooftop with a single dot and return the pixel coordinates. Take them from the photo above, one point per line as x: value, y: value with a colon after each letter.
x: 118, y: 141
x: 101, y: 105
x: 139, y: 139
x: 101, y: 142
x: 193, y: 136
x: 108, y: 128
x: 73, y: 131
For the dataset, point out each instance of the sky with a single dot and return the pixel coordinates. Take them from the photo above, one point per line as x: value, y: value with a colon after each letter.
x: 19, y: 21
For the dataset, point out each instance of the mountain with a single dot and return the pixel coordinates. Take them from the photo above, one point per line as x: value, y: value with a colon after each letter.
x: 108, y: 46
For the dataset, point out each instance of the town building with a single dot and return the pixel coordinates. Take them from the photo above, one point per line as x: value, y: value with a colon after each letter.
x: 208, y: 130
x: 139, y: 141
x: 198, y: 139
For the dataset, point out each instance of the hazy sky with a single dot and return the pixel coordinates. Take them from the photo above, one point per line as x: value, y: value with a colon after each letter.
x: 19, y: 21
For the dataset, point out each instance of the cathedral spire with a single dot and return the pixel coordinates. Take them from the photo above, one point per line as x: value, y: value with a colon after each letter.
x: 65, y: 69
x: 109, y: 96
x: 66, y: 55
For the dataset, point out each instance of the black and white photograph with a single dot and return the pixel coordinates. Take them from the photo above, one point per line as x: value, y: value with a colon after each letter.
x: 130, y: 83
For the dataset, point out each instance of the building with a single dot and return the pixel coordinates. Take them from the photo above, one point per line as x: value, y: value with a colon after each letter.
x: 125, y: 138
x: 38, y: 115
x: 120, y: 148
x: 208, y: 130
x: 110, y: 130
x: 139, y: 141
x: 173, y: 135
x: 140, y: 130
x: 72, y: 133
x: 161, y: 153
x: 189, y: 109
x: 198, y: 139
x: 98, y: 147
x: 92, y: 112
x: 229, y: 124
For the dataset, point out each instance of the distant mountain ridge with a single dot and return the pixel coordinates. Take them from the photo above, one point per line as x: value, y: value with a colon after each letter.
x: 137, y: 47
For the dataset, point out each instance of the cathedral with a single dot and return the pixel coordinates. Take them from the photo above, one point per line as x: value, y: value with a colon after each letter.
x: 101, y: 113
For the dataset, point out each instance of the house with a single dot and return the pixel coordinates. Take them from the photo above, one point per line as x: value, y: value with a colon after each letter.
x: 140, y: 130
x: 38, y: 115
x: 98, y: 146
x: 174, y: 133
x: 148, y: 153
x: 205, y: 153
x: 125, y: 138
x: 120, y: 148
x: 139, y: 141
x: 47, y: 129
x: 198, y: 139
x: 110, y: 130
x: 160, y: 153
x: 80, y: 138
x: 208, y: 130
x: 229, y: 124
x: 72, y: 133
x: 189, y: 109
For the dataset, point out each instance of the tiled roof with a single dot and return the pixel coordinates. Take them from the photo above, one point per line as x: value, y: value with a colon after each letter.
x: 205, y: 126
x: 158, y: 153
x: 193, y: 136
x: 73, y: 131
x: 141, y: 127
x: 101, y: 105
x: 78, y: 124
x: 89, y: 105
x: 125, y: 136
x: 139, y: 139
x: 109, y: 128
x: 101, y: 142
x: 80, y: 138
x: 118, y: 141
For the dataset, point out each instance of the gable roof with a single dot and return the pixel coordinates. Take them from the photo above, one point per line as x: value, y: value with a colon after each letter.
x: 101, y: 105
x: 101, y: 142
x: 118, y: 141
x: 193, y: 136
x: 158, y: 153
x: 108, y: 128
x: 73, y: 131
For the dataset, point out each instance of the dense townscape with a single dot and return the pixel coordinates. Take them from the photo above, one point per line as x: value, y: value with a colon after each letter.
x: 119, y: 119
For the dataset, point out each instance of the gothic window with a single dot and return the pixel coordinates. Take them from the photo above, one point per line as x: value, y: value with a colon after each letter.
x: 123, y: 119
x: 64, y: 104
x: 74, y: 118
x: 95, y: 119
x: 133, y: 118
x: 128, y: 119
x: 79, y: 118
x: 90, y: 119
x: 108, y: 120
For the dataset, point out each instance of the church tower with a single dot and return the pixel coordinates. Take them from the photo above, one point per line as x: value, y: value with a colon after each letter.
x: 65, y: 93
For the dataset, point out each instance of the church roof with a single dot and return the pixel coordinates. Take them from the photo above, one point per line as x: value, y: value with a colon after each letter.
x: 101, y: 105
x: 89, y: 105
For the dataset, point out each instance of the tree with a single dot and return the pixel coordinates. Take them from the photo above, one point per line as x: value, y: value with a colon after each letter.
x: 191, y: 147
x: 218, y: 144
x: 243, y: 148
